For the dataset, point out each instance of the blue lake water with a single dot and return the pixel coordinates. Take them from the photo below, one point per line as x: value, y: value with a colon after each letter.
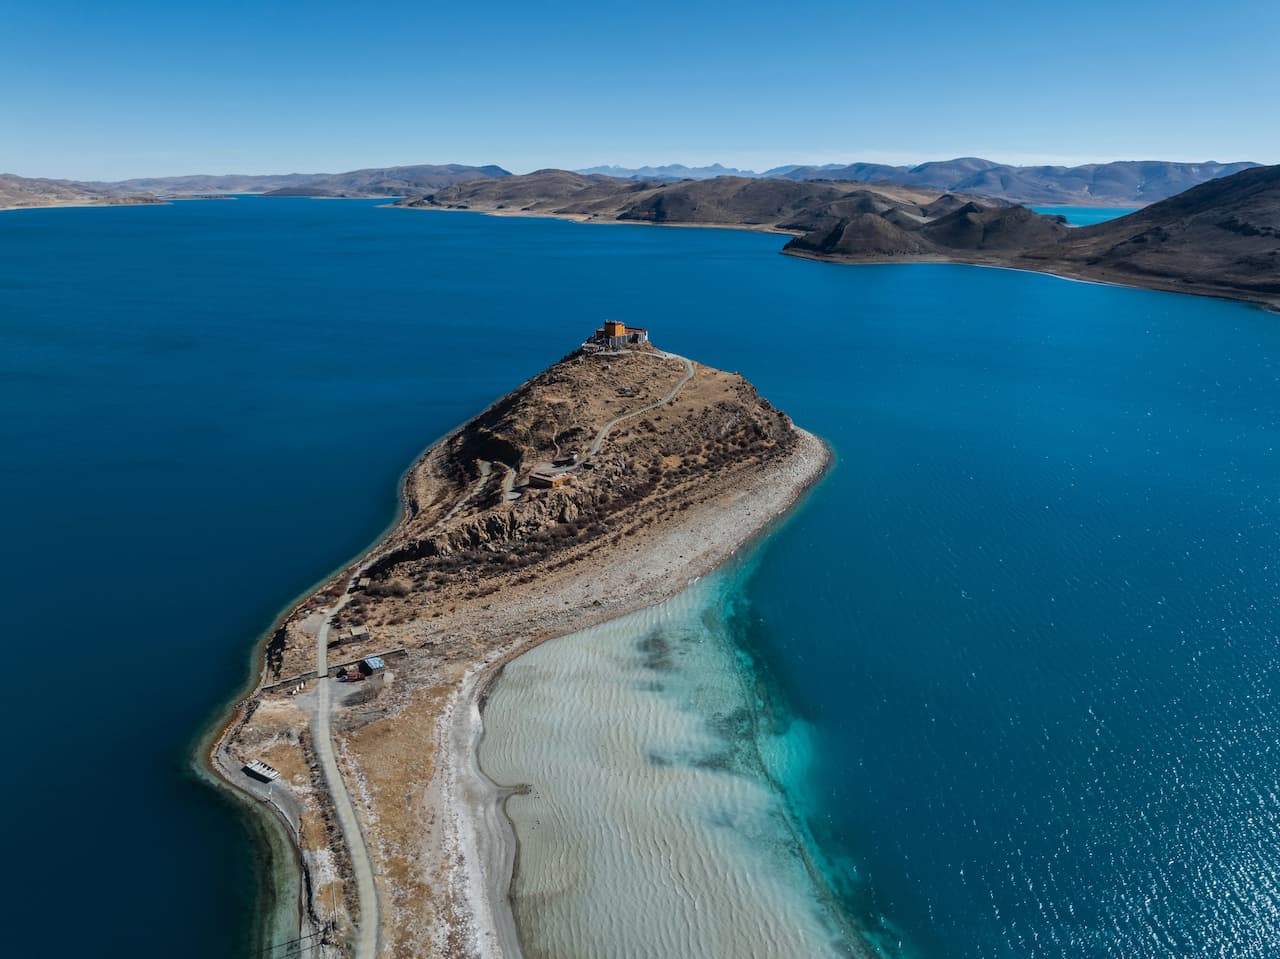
x: 1087, y: 215
x: 1031, y: 616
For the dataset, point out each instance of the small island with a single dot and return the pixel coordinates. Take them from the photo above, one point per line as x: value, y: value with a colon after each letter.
x: 603, y: 485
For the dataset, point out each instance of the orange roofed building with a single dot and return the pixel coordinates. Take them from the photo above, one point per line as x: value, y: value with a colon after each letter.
x: 614, y: 334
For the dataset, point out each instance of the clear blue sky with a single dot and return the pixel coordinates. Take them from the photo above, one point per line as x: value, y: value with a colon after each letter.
x: 113, y: 90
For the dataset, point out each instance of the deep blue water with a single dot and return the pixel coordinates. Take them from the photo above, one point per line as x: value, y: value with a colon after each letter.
x: 1087, y: 215
x: 1032, y: 613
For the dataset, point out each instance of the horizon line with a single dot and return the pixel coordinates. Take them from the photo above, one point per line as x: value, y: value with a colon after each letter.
x: 519, y: 169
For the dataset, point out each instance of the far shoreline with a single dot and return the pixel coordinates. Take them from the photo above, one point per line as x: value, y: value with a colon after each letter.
x: 1064, y: 273
x: 1157, y: 285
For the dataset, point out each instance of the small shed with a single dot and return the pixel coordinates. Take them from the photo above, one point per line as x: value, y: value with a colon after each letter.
x: 358, y: 634
x: 371, y: 668
x: 541, y: 479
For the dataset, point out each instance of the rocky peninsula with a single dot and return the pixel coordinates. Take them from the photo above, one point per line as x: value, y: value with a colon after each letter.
x: 603, y: 485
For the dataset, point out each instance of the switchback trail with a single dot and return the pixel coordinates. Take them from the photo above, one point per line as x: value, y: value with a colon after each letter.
x: 604, y: 430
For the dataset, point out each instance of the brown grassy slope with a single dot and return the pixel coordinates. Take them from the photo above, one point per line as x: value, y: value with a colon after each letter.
x: 546, y: 192
x: 1220, y: 238
x: 793, y: 206
x: 651, y: 469
x: 722, y: 201
x: 939, y: 229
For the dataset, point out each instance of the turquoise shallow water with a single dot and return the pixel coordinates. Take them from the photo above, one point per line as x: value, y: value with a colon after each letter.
x: 1087, y: 215
x: 653, y: 826
x: 1029, y: 620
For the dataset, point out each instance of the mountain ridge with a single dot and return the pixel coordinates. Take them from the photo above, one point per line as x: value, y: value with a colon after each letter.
x: 782, y: 206
x: 366, y: 182
x: 1118, y: 183
x: 1115, y: 183
x: 667, y: 171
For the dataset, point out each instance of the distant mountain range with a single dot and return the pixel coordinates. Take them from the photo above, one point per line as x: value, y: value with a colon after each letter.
x: 16, y: 191
x: 1121, y: 183
x: 671, y: 171
x: 373, y: 182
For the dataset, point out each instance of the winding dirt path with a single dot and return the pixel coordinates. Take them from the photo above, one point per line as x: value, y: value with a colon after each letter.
x: 485, y: 469
x: 604, y: 430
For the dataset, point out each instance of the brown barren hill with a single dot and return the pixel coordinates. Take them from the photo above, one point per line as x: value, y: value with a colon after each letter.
x: 1221, y: 238
x: 543, y: 193
x: 388, y: 181
x: 18, y: 192
x: 947, y: 228
x: 604, y: 484
x: 741, y: 202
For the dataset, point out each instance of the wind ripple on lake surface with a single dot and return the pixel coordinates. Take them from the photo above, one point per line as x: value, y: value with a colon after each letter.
x: 650, y: 829
x: 1105, y: 755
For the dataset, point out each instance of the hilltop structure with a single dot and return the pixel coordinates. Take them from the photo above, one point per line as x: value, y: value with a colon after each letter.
x: 614, y: 335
